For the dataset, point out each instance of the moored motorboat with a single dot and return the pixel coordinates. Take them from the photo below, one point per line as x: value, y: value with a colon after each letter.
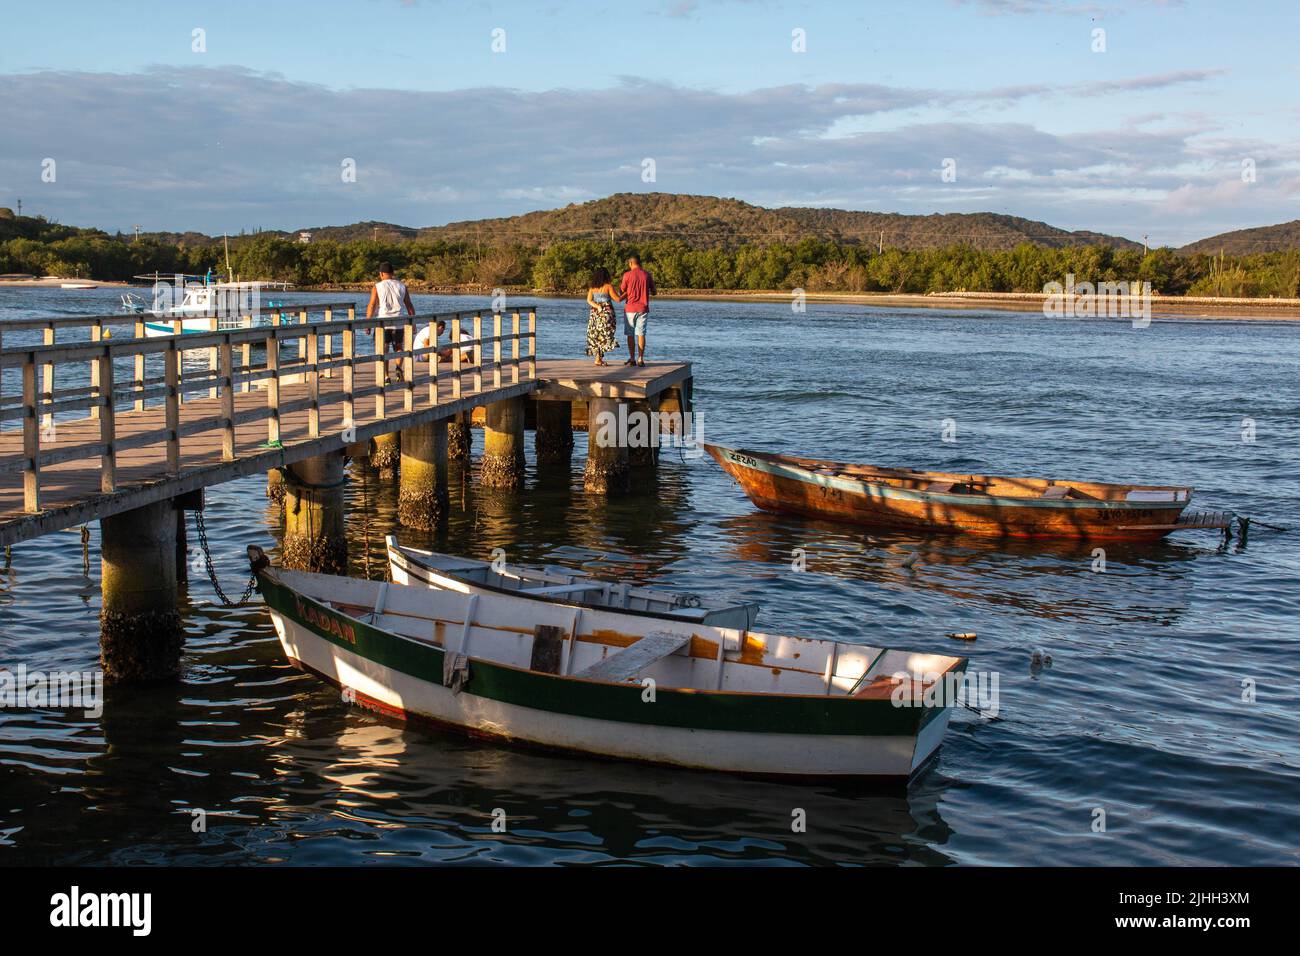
x: 930, y: 501
x: 560, y: 585
x: 600, y: 682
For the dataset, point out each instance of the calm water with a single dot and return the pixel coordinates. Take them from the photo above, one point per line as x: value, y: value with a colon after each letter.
x: 1140, y: 713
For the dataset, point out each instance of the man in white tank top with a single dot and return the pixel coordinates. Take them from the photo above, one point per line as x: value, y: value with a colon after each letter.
x: 387, y: 299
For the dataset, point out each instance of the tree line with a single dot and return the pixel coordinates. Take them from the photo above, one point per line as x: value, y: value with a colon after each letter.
x: 810, y: 264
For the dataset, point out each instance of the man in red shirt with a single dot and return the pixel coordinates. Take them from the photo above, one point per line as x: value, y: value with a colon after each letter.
x: 637, y: 286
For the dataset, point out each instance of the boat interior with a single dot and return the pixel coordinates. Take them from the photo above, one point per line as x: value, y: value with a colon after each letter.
x: 567, y: 584
x: 600, y: 645
x: 942, y: 482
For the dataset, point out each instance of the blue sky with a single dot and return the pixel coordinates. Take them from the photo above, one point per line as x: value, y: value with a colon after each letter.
x: 1146, y: 138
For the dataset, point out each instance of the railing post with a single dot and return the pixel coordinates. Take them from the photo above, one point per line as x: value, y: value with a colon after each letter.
x: 380, y: 368
x: 408, y: 366
x: 496, y: 349
x: 349, y: 357
x: 47, y: 379
x: 302, y: 343
x: 478, y: 352
x: 532, y: 343
x: 137, y: 384
x: 514, y: 347
x: 107, y: 423
x: 313, y: 386
x: 329, y: 344
x: 455, y: 357
x: 214, y: 363
x: 434, y: 368
x: 31, y: 439
x: 273, y: 389
x: 178, y: 329
x: 172, y: 412
x: 227, y: 400
x: 96, y: 335
x: 246, y: 355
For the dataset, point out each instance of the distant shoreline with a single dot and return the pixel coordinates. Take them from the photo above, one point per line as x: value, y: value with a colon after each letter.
x: 1200, y: 307
x: 1206, y: 307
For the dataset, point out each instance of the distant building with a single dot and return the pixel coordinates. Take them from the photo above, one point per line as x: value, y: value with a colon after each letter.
x: 304, y: 237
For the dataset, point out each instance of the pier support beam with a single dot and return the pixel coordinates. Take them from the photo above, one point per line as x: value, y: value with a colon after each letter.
x: 643, y: 434
x: 460, y: 438
x: 140, y: 626
x: 422, y: 495
x: 607, y: 458
x: 314, y: 535
x: 387, y: 454
x: 554, y: 436
x: 502, y: 465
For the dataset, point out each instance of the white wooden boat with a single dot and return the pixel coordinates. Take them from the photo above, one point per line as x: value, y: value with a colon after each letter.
x: 599, y: 682
x: 78, y: 285
x: 559, y: 585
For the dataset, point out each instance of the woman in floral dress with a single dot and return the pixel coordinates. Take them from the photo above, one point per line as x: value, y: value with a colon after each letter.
x: 601, y: 296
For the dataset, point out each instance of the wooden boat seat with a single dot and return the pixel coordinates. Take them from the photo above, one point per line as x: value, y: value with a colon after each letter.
x: 1063, y: 491
x: 882, y: 688
x: 625, y: 664
x: 940, y: 486
x: 557, y: 589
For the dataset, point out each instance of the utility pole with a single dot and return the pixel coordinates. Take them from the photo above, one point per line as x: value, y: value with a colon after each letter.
x: 137, y: 232
x: 20, y: 206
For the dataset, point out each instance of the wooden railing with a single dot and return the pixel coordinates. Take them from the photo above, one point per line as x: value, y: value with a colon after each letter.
x: 101, y: 387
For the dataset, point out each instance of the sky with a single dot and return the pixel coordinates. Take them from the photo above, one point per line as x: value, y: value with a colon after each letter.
x: 1176, y: 121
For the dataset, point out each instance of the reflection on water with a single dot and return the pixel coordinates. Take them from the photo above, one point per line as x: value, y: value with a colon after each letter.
x: 1141, y: 711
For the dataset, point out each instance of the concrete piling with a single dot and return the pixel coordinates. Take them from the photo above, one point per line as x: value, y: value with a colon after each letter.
x: 275, y: 485
x: 553, y: 439
x: 460, y: 438
x: 607, y: 456
x: 314, y: 534
x: 502, y: 466
x: 386, y: 454
x: 140, y: 625
x: 422, y: 495
x: 643, y: 434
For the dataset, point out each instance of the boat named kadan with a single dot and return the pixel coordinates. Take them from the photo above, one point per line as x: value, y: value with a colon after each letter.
x: 600, y: 682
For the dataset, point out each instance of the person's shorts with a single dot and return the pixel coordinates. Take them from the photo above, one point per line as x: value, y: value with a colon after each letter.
x: 635, y: 323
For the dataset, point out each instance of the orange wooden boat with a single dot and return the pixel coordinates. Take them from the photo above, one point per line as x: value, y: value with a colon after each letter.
x: 961, y: 504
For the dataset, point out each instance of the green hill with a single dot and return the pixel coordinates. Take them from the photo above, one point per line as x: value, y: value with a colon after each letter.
x: 709, y: 221
x: 1244, y: 242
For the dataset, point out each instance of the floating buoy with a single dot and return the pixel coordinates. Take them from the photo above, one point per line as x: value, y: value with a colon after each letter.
x: 962, y: 635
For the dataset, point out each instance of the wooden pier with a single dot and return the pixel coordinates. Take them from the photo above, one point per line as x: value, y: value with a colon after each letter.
x: 137, y: 422
x: 114, y: 426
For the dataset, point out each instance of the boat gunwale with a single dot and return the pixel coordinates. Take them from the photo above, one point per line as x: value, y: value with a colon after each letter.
x: 551, y: 599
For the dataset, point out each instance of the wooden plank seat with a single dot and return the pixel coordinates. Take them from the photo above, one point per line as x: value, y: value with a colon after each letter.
x: 625, y: 664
